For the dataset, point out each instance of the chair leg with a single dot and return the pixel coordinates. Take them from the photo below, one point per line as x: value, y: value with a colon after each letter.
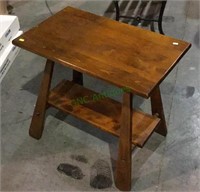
x: 160, y: 18
x: 157, y: 108
x: 116, y: 3
x: 123, y: 166
x: 160, y: 27
x: 152, y: 26
x: 37, y: 123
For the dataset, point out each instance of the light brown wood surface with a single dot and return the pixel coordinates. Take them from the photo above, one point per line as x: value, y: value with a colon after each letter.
x: 121, y: 54
x: 104, y: 113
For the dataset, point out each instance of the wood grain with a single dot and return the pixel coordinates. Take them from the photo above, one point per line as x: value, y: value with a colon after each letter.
x: 157, y: 109
x: 104, y: 113
x: 37, y: 123
x: 123, y: 167
x: 123, y: 55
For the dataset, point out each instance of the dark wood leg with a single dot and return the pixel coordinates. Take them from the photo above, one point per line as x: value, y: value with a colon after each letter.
x: 123, y: 166
x: 77, y: 77
x: 37, y: 123
x: 157, y: 109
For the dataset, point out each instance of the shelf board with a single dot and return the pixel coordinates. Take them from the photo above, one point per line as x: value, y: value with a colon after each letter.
x: 104, y: 113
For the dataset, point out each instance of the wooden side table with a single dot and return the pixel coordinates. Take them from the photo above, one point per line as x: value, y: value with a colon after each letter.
x: 120, y: 54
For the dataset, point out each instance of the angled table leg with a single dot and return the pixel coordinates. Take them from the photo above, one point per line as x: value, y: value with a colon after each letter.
x: 157, y: 108
x: 123, y: 167
x: 77, y: 77
x: 37, y: 123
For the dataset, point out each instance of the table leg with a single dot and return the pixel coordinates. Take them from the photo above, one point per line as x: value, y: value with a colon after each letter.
x: 77, y: 77
x: 123, y: 166
x: 157, y: 108
x: 37, y: 123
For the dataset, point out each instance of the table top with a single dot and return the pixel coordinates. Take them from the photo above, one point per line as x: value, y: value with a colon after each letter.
x: 118, y: 53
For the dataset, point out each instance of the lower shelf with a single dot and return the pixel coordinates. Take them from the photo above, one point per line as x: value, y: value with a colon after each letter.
x: 104, y: 113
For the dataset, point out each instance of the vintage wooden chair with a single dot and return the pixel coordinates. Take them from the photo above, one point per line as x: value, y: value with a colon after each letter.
x: 141, y: 11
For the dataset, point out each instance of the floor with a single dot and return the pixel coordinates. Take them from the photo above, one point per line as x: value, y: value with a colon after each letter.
x: 164, y: 164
